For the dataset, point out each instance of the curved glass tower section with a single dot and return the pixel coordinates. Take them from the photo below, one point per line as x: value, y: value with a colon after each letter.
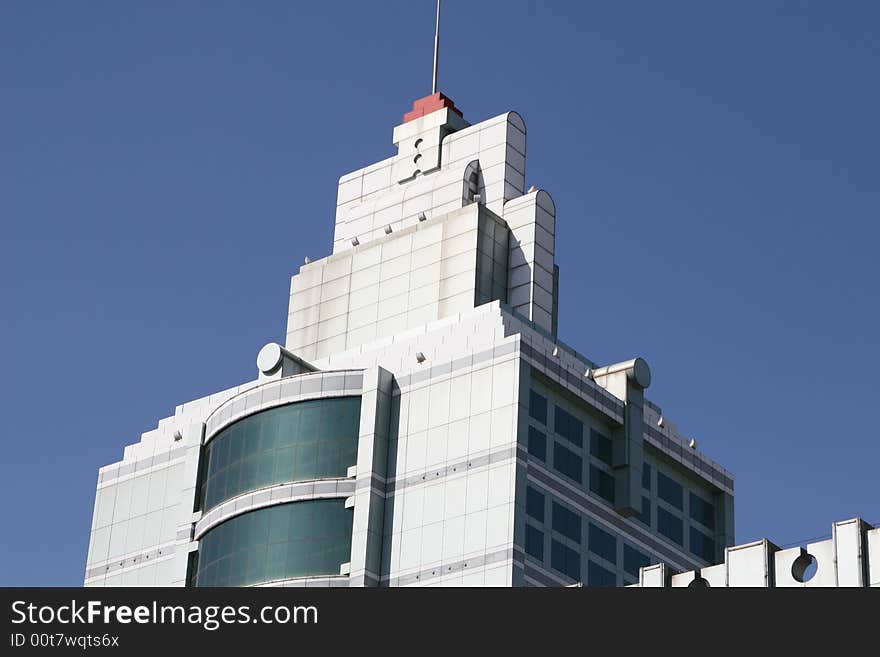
x: 279, y: 542
x: 314, y: 439
x: 308, y: 536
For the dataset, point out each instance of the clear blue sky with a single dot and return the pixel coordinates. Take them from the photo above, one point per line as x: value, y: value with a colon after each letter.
x: 164, y: 168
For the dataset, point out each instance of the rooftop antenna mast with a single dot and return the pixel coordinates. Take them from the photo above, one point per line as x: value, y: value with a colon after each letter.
x: 436, y: 49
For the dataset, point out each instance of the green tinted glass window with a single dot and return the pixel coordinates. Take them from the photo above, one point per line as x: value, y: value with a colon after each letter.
x: 313, y: 439
x: 278, y: 542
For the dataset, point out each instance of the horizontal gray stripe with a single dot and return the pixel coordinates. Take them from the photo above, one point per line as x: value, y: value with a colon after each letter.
x: 440, y: 472
x: 121, y: 468
x: 407, y: 381
x: 301, y: 383
x: 374, y: 482
x: 307, y: 582
x: 305, y: 387
x: 588, y: 391
x: 384, y: 487
x: 363, y: 578
x: 544, y: 577
x: 450, y: 568
x: 271, y: 496
x: 143, y: 559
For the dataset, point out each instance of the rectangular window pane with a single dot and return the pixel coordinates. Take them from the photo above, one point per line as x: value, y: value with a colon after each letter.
x: 568, y: 426
x: 599, y: 576
x: 602, y: 484
x: 702, y: 511
x: 600, y: 447
x: 702, y: 545
x: 535, y: 542
x: 670, y: 490
x: 646, y: 476
x: 538, y: 407
x: 567, y: 462
x: 670, y: 526
x: 603, y: 544
x: 535, y: 504
x: 633, y: 560
x: 566, y: 522
x: 565, y: 560
x: 537, y: 444
x: 645, y: 516
x: 310, y: 420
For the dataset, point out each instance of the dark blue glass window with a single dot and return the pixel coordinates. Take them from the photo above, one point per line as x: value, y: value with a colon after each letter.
x: 599, y: 576
x: 603, y: 544
x: 535, y: 542
x: 645, y: 516
x: 702, y: 511
x: 567, y: 462
x: 702, y: 545
x: 670, y: 490
x: 602, y: 484
x: 568, y: 426
x: 565, y: 560
x: 566, y: 522
x: 537, y: 444
x: 633, y: 560
x: 646, y: 476
x: 535, y: 504
x: 600, y: 447
x: 670, y: 526
x: 538, y: 407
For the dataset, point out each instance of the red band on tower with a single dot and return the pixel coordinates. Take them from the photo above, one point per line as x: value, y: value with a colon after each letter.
x: 430, y: 104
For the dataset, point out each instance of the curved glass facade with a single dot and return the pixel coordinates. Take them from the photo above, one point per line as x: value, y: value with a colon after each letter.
x: 296, y: 539
x: 306, y: 440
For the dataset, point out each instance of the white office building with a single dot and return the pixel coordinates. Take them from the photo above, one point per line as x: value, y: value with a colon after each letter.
x: 421, y: 424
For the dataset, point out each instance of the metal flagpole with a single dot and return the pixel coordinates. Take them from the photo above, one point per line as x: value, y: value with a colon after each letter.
x: 436, y: 48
